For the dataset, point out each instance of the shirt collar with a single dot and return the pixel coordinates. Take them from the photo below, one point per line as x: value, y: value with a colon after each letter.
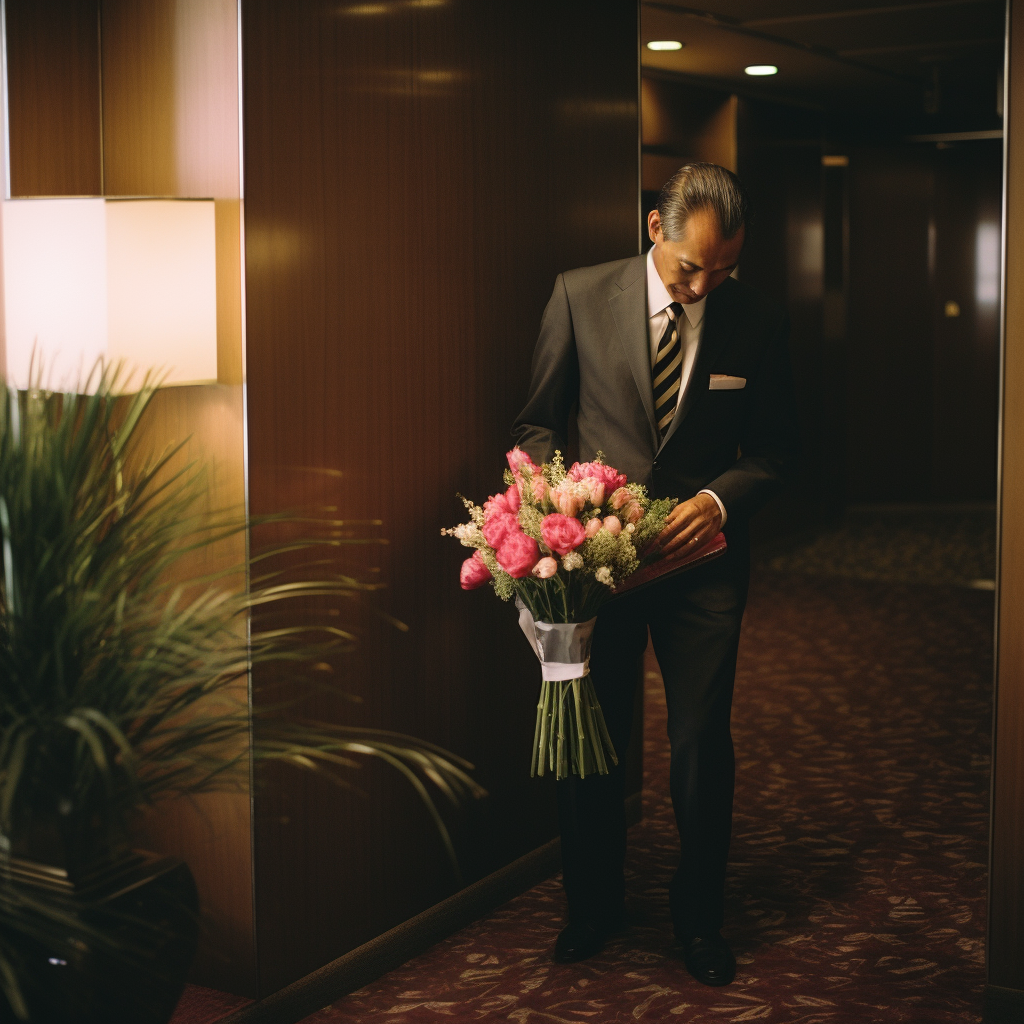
x: 658, y: 298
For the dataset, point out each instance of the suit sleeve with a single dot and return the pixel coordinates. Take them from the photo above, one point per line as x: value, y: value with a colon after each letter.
x: 770, y: 439
x: 543, y: 424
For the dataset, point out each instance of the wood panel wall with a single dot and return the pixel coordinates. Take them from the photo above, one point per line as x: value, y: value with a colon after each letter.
x: 682, y: 121
x: 779, y: 154
x: 170, y: 98
x: 1006, y: 880
x: 416, y: 176
x: 53, y: 71
x: 171, y: 127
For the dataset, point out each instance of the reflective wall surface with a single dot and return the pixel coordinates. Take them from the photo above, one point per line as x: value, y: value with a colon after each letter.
x: 416, y: 176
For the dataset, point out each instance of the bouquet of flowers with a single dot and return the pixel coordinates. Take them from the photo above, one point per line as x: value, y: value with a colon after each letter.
x: 559, y: 541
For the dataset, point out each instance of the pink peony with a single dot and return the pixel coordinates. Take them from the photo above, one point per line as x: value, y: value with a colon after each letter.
x: 474, y: 572
x: 545, y: 568
x: 514, y: 498
x: 565, y: 498
x: 611, y: 478
x: 498, y: 527
x: 540, y: 489
x: 593, y: 528
x: 518, y: 554
x: 498, y: 504
x: 562, y: 533
x: 612, y: 525
x: 517, y: 459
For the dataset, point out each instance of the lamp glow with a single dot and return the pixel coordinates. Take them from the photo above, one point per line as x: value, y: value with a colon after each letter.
x: 91, y: 278
x: 664, y: 44
x: 759, y: 70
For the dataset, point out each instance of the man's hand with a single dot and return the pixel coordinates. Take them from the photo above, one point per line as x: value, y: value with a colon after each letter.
x: 690, y: 525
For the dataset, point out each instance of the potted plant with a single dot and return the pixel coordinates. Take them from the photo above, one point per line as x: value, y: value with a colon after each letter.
x: 122, y: 685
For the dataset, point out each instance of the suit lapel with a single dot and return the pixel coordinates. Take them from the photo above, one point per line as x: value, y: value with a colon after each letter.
x: 717, y: 330
x: 628, y: 303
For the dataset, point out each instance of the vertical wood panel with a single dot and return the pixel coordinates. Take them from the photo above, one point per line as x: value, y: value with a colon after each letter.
x: 170, y: 98
x: 53, y: 69
x: 681, y: 122
x: 779, y: 150
x: 139, y: 116
x: 416, y: 176
x: 171, y: 128
x: 1006, y: 881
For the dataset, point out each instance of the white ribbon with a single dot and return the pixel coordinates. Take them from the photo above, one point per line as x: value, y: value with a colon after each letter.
x: 562, y: 648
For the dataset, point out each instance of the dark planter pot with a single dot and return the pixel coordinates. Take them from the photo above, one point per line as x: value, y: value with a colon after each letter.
x: 128, y: 963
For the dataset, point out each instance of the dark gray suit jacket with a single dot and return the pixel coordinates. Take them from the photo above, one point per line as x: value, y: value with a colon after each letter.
x: 593, y: 349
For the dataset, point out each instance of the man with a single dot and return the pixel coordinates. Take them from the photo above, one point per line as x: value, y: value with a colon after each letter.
x: 680, y: 374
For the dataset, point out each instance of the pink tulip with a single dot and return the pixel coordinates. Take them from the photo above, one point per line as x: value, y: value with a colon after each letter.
x: 596, y: 489
x: 612, y: 525
x: 518, y: 554
x: 562, y: 533
x: 593, y: 528
x: 540, y: 489
x: 517, y: 459
x: 514, y: 498
x: 565, y: 498
x: 474, y: 572
x: 619, y: 497
x: 545, y: 568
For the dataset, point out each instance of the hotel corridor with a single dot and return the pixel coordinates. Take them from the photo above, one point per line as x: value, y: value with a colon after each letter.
x: 857, y: 876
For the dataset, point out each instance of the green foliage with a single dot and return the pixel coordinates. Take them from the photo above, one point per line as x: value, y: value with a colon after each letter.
x: 120, y: 687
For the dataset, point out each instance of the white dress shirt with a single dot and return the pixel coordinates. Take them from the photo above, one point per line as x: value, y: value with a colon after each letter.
x: 692, y: 324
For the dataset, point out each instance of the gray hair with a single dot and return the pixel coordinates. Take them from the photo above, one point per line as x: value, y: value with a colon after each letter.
x: 701, y: 186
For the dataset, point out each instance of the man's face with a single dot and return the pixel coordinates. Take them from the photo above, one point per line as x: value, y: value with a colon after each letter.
x: 698, y: 262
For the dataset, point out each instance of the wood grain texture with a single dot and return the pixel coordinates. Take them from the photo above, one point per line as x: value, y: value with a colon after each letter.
x: 779, y: 162
x: 53, y: 73
x: 171, y: 94
x: 416, y: 176
x: 170, y: 98
x: 683, y: 121
x: 1006, y: 881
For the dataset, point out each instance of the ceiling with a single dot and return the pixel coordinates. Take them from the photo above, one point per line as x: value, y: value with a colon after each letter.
x: 930, y: 65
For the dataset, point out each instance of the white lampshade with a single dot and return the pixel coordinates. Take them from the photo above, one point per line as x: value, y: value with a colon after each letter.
x: 123, y: 279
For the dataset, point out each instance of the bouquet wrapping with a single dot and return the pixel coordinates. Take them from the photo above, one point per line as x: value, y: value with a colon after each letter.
x: 570, y: 727
x: 559, y: 541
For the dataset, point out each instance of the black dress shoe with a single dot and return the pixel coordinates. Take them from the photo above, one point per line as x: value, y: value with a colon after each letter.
x: 578, y: 942
x: 709, y: 959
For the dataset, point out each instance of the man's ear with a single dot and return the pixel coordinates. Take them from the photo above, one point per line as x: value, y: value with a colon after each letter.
x: 654, y: 225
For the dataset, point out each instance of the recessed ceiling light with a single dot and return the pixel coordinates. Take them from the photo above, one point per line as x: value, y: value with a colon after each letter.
x: 761, y: 69
x: 664, y: 44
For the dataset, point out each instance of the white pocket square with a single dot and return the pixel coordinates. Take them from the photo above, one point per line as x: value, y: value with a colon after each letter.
x: 723, y: 382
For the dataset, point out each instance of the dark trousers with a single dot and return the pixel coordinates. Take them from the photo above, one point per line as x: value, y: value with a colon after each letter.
x: 694, y: 622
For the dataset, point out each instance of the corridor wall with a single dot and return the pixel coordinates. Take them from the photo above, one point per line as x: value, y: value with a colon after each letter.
x: 416, y: 174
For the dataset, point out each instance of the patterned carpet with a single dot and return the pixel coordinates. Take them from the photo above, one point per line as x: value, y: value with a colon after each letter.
x: 857, y: 883
x: 945, y: 546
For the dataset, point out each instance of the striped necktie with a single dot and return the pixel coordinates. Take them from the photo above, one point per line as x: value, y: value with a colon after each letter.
x: 668, y: 371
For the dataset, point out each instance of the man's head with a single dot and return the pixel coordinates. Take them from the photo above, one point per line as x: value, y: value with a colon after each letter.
x: 698, y: 230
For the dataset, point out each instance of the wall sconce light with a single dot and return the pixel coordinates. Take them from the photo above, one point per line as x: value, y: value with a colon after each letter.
x: 664, y: 44
x: 121, y: 279
x: 758, y: 70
